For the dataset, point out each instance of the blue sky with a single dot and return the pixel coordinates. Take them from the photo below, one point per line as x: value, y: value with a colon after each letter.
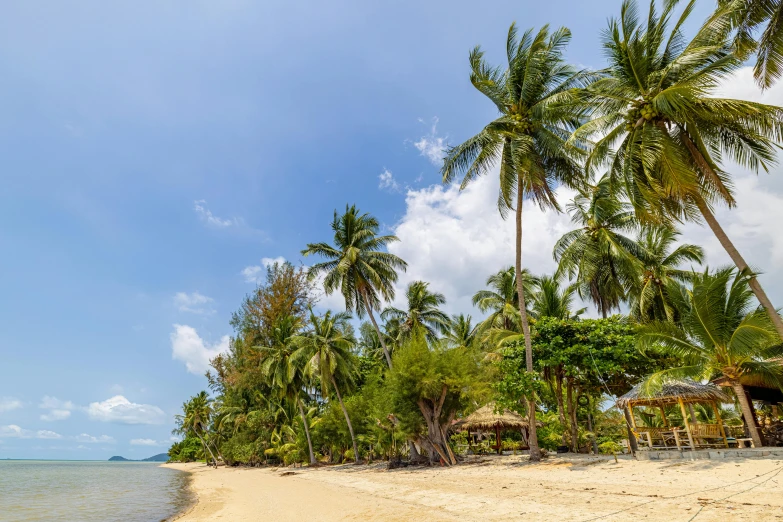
x: 154, y: 153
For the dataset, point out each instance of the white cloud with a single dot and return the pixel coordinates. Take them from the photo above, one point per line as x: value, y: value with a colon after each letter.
x: 120, y: 410
x: 194, y: 303
x: 187, y: 346
x: 144, y: 442
x: 455, y: 240
x: 58, y: 410
x: 89, y: 439
x: 9, y: 403
x: 206, y: 215
x: 256, y: 273
x: 387, y: 182
x: 432, y: 146
x: 17, y: 432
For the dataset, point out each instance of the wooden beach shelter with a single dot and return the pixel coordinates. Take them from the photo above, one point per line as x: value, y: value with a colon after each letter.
x: 485, y: 418
x: 682, y: 393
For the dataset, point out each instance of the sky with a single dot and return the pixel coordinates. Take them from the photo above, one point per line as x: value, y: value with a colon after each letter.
x: 156, y: 155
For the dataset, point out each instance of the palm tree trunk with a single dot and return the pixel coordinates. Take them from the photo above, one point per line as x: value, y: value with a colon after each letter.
x: 535, y: 451
x: 377, y: 330
x: 307, y: 431
x: 560, y: 405
x: 571, y: 400
x: 740, y: 263
x: 204, y: 443
x: 747, y: 413
x: 631, y: 437
x: 348, y: 421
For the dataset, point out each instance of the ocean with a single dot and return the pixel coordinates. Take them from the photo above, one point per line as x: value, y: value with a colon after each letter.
x: 90, y: 491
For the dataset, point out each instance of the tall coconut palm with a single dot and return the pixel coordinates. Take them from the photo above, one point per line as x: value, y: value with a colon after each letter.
x: 653, y: 296
x: 326, y: 348
x: 722, y: 334
x: 527, y: 140
x: 598, y: 255
x: 195, y: 418
x: 655, y: 106
x: 284, y: 373
x: 748, y: 18
x: 357, y: 266
x: 461, y: 331
x: 422, y: 312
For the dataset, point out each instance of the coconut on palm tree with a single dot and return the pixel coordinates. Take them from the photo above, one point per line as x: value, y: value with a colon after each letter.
x: 527, y: 140
x: 722, y: 333
x: 653, y: 296
x: 663, y: 134
x: 598, y: 255
x: 422, y: 312
x: 326, y: 350
x: 358, y: 266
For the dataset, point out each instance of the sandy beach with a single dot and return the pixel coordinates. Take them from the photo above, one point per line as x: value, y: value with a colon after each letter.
x: 495, y: 488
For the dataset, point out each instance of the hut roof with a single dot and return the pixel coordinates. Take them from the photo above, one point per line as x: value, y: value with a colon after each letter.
x: 673, y: 390
x: 486, y: 418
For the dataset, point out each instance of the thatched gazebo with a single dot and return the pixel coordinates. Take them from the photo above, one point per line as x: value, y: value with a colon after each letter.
x: 485, y: 418
x: 679, y: 392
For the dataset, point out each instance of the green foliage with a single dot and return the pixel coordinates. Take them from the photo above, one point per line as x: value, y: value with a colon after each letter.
x: 188, y: 449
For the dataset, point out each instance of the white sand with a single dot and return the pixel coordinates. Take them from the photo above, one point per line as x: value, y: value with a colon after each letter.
x: 497, y: 488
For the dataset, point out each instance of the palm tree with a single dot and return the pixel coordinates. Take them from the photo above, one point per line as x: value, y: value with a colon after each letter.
x: 195, y: 420
x: 597, y: 255
x: 747, y: 17
x: 461, y: 331
x: 284, y: 373
x: 651, y: 295
x: 654, y: 105
x: 357, y: 266
x: 722, y: 334
x: 422, y: 312
x: 502, y: 298
x: 528, y: 139
x: 552, y: 300
x: 327, y: 351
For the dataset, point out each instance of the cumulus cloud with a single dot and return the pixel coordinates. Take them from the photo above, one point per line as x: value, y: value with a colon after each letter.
x: 120, y: 410
x: 144, y: 442
x: 12, y: 431
x: 89, y: 439
x: 9, y: 403
x: 456, y: 239
x: 194, y: 303
x: 58, y: 410
x: 187, y: 346
x: 432, y: 146
x: 256, y: 273
x: 206, y: 215
x: 387, y: 182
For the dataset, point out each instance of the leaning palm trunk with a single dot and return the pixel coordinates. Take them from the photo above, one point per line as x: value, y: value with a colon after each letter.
x: 348, y: 421
x: 740, y: 263
x: 535, y: 451
x: 747, y: 413
x: 377, y: 330
x: 631, y: 437
x: 204, y: 443
x: 307, y: 431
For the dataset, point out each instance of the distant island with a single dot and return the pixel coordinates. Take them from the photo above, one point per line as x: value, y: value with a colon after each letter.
x: 160, y: 457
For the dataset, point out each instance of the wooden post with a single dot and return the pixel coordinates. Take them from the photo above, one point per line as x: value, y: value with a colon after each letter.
x: 687, y: 424
x: 720, y: 423
x: 497, y: 436
x: 663, y: 417
x: 633, y: 420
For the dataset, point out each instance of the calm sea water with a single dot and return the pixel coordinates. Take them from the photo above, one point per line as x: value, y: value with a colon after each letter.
x: 90, y: 491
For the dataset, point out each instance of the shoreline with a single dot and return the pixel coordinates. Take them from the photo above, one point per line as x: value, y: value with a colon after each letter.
x: 571, y: 488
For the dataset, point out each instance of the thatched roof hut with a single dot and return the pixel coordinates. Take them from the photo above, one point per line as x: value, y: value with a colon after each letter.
x: 673, y: 392
x: 485, y: 418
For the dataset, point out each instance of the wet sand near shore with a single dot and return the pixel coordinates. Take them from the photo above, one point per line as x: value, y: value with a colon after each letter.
x: 495, y: 488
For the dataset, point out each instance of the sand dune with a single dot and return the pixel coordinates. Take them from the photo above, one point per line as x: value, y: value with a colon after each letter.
x: 496, y: 488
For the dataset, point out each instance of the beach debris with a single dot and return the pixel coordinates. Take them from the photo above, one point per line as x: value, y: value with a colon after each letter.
x: 287, y: 473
